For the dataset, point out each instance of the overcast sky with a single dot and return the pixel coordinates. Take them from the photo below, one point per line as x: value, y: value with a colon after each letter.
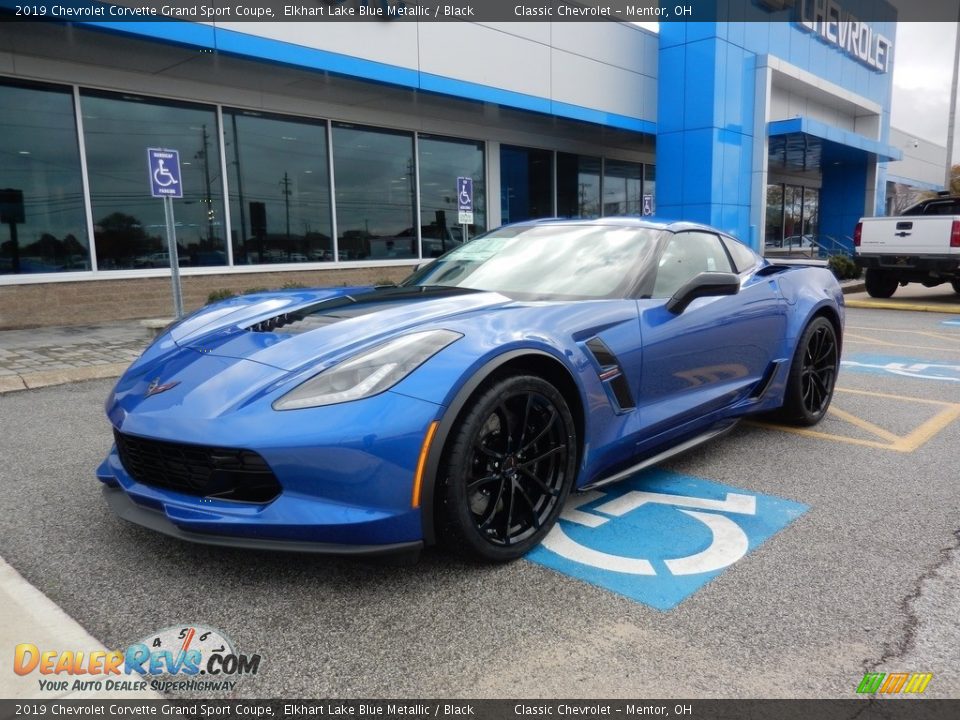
x: 922, y: 70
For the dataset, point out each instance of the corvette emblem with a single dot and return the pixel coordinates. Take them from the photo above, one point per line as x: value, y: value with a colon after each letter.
x: 155, y: 388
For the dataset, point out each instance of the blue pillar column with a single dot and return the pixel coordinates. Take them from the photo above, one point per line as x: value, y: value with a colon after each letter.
x: 705, y: 125
x: 842, y: 192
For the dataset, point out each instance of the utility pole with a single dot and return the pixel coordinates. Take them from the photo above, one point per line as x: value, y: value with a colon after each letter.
x: 286, y: 200
x: 243, y: 211
x: 952, y: 116
x: 204, y: 155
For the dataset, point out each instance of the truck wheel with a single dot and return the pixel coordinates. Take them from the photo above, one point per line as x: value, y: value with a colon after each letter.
x: 956, y: 286
x: 880, y: 284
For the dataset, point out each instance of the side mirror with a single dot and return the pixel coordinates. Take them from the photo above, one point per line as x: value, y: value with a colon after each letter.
x: 706, y: 284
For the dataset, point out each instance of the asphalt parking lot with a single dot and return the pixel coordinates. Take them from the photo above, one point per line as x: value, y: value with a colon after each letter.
x: 857, y: 573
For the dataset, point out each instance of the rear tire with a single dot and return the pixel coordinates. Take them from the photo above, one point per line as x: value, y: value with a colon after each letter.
x: 956, y: 286
x: 507, y: 470
x: 813, y: 375
x: 880, y: 284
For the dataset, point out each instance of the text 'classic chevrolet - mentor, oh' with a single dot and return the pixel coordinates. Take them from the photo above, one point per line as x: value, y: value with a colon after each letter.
x: 461, y: 407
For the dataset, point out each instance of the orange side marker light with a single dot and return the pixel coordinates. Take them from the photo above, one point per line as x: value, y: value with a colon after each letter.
x: 422, y: 462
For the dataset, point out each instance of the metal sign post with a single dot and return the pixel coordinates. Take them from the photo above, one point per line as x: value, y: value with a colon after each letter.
x: 165, y: 183
x: 464, y: 204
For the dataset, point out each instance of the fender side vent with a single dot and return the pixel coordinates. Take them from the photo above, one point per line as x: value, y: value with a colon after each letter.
x: 765, y: 381
x: 611, y: 374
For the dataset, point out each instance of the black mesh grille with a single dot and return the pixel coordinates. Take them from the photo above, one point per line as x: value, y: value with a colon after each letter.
x: 225, y: 473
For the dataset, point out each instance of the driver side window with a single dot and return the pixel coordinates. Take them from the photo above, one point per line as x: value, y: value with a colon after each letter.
x: 688, y: 254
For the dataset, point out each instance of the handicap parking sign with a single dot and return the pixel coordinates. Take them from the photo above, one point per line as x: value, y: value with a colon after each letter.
x: 465, y: 200
x: 164, y: 173
x: 660, y: 536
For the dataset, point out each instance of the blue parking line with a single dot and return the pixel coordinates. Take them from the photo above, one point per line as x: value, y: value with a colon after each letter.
x: 895, y: 365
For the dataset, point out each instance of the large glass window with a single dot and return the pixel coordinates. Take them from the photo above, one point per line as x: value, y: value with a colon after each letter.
x: 42, y: 220
x: 128, y: 222
x: 792, y: 219
x: 374, y: 181
x: 792, y: 213
x: 811, y: 211
x: 526, y: 183
x: 279, y: 188
x: 442, y: 161
x: 622, y: 188
x: 773, y: 234
x: 578, y: 186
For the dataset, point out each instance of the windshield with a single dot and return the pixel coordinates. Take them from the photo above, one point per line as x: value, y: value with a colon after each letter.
x: 546, y: 261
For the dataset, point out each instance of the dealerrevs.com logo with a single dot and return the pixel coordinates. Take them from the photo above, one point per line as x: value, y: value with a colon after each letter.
x: 180, y: 658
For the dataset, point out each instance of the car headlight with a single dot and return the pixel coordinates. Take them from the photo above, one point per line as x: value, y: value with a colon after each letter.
x: 368, y: 373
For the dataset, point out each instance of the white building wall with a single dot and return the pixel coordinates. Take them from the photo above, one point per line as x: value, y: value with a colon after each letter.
x: 541, y: 60
x: 923, y: 161
x: 785, y: 104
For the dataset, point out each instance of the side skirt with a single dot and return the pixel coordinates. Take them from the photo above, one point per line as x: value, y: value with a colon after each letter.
x: 660, y: 457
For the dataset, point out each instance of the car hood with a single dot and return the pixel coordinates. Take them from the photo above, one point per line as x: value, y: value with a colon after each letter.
x: 292, y: 330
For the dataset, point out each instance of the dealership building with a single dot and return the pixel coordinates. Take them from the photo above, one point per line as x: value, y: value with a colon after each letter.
x: 329, y: 153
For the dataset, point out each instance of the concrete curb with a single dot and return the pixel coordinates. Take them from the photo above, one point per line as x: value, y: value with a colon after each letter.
x: 29, y: 616
x: 916, y: 307
x: 46, y: 378
x: 854, y: 287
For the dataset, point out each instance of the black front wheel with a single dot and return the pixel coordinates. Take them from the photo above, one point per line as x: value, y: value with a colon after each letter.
x: 956, y: 286
x: 508, y: 467
x: 813, y: 374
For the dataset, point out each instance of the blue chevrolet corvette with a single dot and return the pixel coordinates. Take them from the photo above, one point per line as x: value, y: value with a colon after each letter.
x: 461, y: 407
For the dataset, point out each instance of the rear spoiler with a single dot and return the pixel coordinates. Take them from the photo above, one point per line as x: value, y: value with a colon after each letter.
x: 788, y: 263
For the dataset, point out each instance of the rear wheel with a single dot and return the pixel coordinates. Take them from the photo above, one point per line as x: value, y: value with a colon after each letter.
x: 507, y: 470
x: 880, y: 284
x: 813, y: 374
x: 956, y: 286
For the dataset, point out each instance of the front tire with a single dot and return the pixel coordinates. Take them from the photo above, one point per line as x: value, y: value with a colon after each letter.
x: 880, y: 284
x: 507, y: 470
x: 956, y: 286
x: 813, y: 375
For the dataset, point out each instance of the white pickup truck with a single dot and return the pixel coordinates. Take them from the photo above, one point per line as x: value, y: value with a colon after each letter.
x: 922, y: 246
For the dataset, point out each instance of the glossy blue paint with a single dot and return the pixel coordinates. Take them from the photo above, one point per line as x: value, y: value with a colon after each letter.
x: 346, y: 470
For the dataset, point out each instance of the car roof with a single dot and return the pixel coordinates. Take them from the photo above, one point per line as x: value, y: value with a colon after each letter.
x: 647, y: 221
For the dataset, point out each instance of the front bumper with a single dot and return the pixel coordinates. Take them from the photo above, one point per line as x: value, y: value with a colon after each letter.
x: 155, y: 520
x: 345, y: 473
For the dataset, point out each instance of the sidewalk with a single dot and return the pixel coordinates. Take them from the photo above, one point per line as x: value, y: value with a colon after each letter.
x: 55, y: 355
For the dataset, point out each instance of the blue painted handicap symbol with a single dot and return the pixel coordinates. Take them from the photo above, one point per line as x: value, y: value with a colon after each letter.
x: 660, y: 536
x: 916, y: 368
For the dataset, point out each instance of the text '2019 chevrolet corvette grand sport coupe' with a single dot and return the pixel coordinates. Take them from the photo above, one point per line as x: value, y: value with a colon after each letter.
x: 463, y: 406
